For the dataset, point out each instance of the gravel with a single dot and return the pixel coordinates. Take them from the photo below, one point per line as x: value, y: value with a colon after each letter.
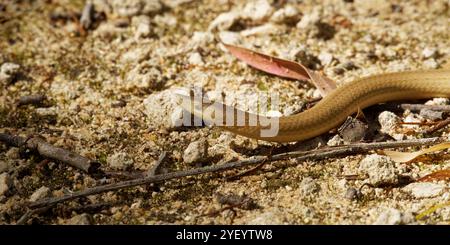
x: 120, y: 161
x: 380, y: 170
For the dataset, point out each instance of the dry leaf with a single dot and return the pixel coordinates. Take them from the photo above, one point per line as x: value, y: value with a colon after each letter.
x: 438, y: 175
x: 431, y: 210
x: 283, y: 68
x: 409, y: 156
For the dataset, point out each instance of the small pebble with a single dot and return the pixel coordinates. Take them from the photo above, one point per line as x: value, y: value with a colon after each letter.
x: 196, y: 152
x: 40, y: 193
x: 229, y: 37
x: 325, y: 58
x: 431, y: 115
x: 424, y: 190
x: 142, y: 27
x: 389, y: 122
x: 224, y: 21
x: 257, y: 10
x: 5, y: 183
x: 8, y: 71
x: 308, y: 186
x: 287, y: 15
x: 429, y: 53
x: 195, y: 59
x: 265, y: 29
x: 335, y: 141
x: 120, y: 161
x: 389, y: 216
x: 351, y: 194
x: 380, y: 169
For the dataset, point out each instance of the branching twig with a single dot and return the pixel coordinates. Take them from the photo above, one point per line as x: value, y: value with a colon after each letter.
x: 300, y: 156
x: 23, y: 220
x: 36, y: 143
x: 438, y: 126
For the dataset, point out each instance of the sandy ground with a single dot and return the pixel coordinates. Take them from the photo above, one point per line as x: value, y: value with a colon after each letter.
x: 110, y: 97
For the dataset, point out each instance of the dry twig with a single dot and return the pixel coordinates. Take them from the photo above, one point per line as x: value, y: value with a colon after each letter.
x: 38, y: 144
x: 299, y: 156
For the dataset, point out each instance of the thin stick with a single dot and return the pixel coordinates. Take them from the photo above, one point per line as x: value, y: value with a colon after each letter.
x: 23, y: 220
x: 154, y: 171
x: 438, y: 126
x: 34, y: 99
x: 299, y: 155
x: 36, y: 143
x: 414, y: 107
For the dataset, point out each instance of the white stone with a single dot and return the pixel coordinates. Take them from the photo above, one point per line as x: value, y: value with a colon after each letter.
x: 8, y: 71
x: 200, y: 39
x: 438, y: 101
x: 120, y: 161
x: 224, y: 21
x: 308, y: 186
x: 265, y: 29
x: 309, y: 20
x: 429, y: 53
x: 163, y: 109
x: 424, y: 189
x: 325, y: 58
x: 196, y: 152
x: 389, y: 216
x: 257, y: 10
x: 144, y: 75
x: 286, y: 14
x: 195, y: 59
x: 40, y: 193
x: 389, y: 122
x: 380, y: 169
x: 142, y: 26
x: 229, y: 37
x: 166, y: 20
x: 47, y: 112
x: 335, y: 141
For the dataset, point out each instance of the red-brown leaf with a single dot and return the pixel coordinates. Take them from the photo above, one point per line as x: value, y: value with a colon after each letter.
x: 283, y: 68
x: 438, y: 175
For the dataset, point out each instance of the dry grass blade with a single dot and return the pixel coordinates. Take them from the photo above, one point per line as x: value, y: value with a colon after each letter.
x: 409, y: 156
x: 283, y: 68
x: 431, y: 210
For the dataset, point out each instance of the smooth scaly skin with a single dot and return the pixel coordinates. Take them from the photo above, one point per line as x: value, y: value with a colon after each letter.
x: 331, y: 111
